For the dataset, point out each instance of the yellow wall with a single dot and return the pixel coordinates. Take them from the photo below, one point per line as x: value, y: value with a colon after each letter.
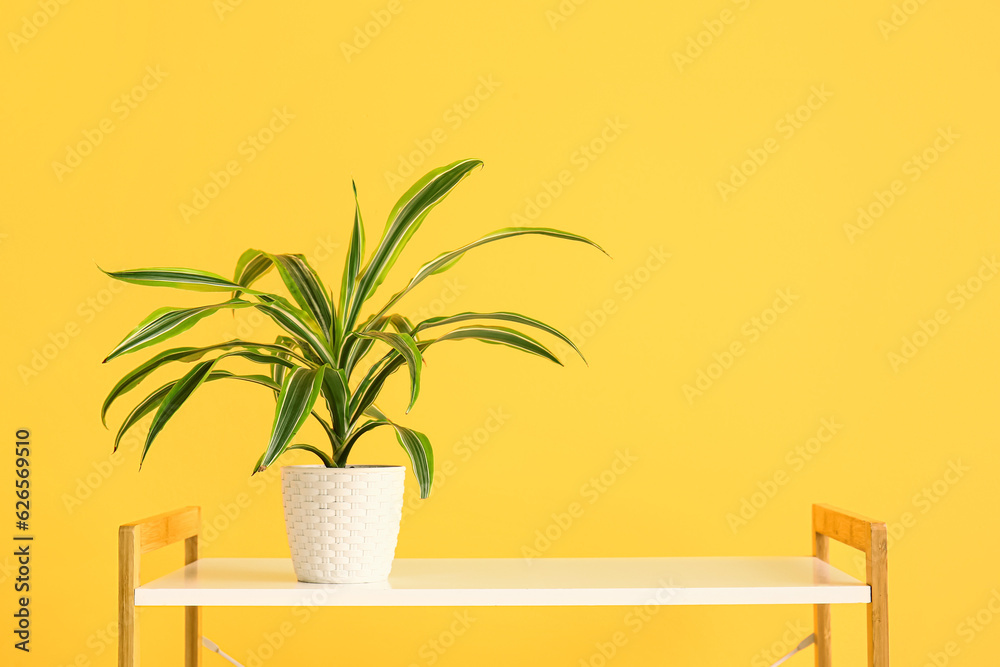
x: 605, y: 118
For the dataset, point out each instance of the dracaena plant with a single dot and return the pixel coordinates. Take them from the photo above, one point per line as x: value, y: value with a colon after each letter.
x: 319, y: 366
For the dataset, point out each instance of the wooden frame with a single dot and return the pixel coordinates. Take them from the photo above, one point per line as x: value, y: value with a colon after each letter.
x: 866, y: 535
x: 135, y: 539
x: 854, y: 530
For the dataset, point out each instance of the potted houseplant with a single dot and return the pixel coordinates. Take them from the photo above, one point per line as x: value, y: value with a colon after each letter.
x: 342, y: 520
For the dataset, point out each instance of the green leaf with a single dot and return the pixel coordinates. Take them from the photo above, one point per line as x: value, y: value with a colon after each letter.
x: 188, y: 354
x: 446, y: 260
x: 352, y: 264
x: 252, y: 265
x: 404, y: 220
x: 278, y: 371
x: 416, y: 444
x: 137, y: 375
x: 400, y: 323
x: 501, y: 336
x: 306, y: 287
x: 304, y: 315
x: 174, y: 399
x: 504, y: 316
x: 298, y: 394
x: 275, y: 387
x: 153, y: 401
x: 188, y: 279
x: 337, y: 395
x: 407, y: 347
x: 345, y: 451
x: 165, y: 323
x: 146, y: 406
x: 327, y: 461
x: 418, y: 448
x: 296, y: 324
x: 256, y: 466
x: 356, y: 347
x: 373, y: 411
x: 370, y: 386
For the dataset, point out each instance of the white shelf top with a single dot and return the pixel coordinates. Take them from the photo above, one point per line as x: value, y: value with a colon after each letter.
x: 429, y: 582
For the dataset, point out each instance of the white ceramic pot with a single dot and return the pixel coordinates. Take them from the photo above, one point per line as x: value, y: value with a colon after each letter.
x: 342, y: 522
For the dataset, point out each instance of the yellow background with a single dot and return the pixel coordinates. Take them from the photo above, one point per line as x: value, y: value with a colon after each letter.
x: 557, y: 84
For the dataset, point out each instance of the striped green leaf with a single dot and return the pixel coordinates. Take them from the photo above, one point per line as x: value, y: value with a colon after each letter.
x: 188, y: 354
x: 503, y: 316
x: 401, y: 324
x: 446, y: 260
x: 275, y: 387
x: 298, y: 394
x: 165, y: 323
x: 338, y: 396
x: 416, y: 444
x: 352, y: 264
x: 418, y: 448
x: 153, y: 401
x: 355, y: 347
x: 404, y: 220
x: 145, y: 406
x: 297, y: 323
x: 188, y: 279
x: 251, y: 265
x: 174, y: 399
x: 304, y: 315
x: 501, y: 336
x: 407, y: 348
x: 370, y: 386
x: 278, y: 371
x: 306, y: 288
x: 345, y: 451
x: 323, y: 456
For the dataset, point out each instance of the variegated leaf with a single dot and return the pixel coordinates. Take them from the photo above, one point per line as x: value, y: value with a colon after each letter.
x: 404, y: 220
x: 165, y: 323
x: 298, y: 394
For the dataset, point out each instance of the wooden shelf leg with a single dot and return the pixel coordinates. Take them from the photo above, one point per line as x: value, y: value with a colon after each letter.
x: 863, y: 534
x: 128, y: 581
x: 192, y: 615
x: 821, y: 612
x: 135, y: 539
x: 877, y: 573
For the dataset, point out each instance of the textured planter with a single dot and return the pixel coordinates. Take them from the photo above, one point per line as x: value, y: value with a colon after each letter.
x: 342, y: 522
